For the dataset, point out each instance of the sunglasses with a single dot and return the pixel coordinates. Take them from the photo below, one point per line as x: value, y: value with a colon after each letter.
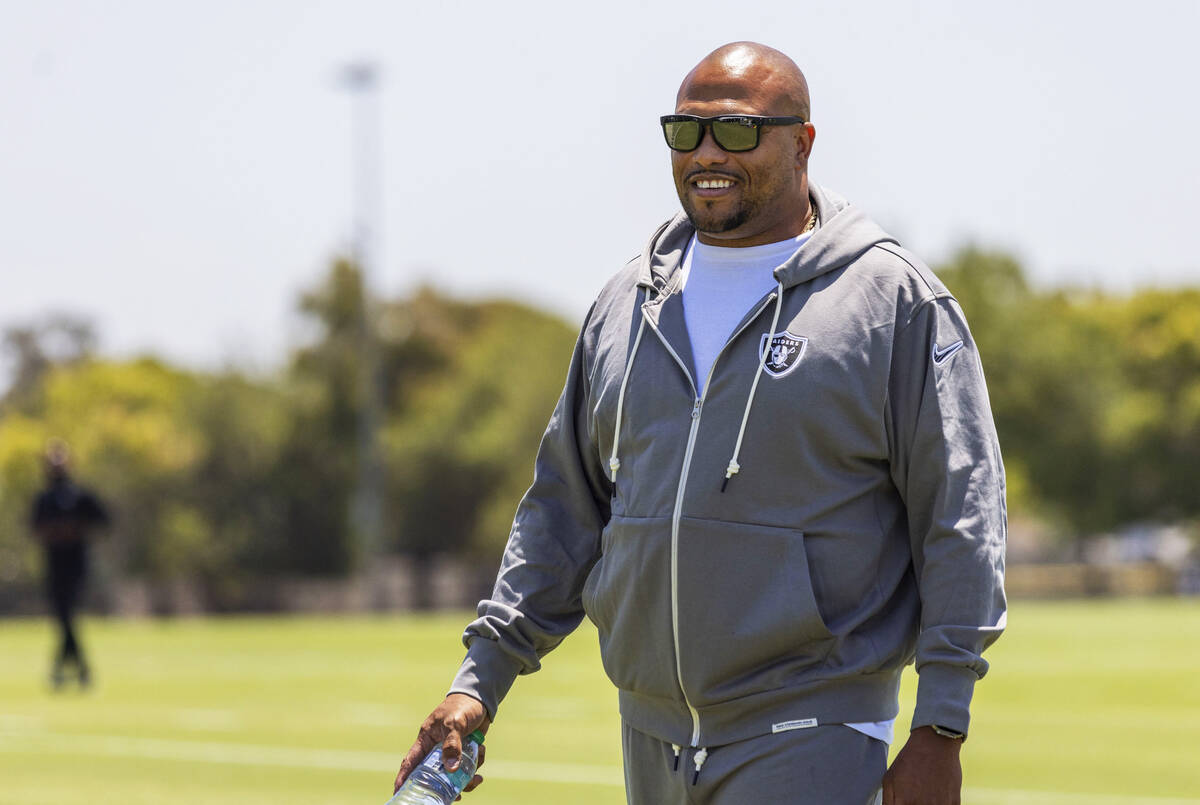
x: 732, y: 132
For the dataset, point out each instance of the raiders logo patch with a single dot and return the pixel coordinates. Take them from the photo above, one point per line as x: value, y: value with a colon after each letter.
x: 783, y: 353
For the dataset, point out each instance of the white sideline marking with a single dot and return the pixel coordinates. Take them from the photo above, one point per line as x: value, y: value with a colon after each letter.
x: 11, y: 721
x: 1013, y: 796
x: 208, y: 719
x: 293, y: 757
x: 384, y: 763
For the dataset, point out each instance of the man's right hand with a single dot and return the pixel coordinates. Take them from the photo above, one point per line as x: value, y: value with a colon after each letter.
x: 452, y: 721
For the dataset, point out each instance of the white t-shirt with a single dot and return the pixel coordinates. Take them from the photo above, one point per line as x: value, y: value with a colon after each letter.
x: 720, y: 286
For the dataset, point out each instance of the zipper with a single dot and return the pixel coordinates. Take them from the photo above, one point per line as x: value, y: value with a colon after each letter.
x: 676, y: 516
x: 697, y: 402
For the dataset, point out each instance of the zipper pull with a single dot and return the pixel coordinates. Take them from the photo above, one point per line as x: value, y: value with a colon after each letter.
x: 696, y: 409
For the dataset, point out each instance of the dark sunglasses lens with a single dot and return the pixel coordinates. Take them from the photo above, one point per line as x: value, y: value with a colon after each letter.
x: 683, y: 135
x: 733, y: 136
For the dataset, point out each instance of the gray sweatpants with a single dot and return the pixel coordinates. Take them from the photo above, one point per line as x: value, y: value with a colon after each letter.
x: 826, y: 765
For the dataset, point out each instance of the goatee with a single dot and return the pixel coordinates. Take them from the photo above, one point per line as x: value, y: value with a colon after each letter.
x: 709, y: 222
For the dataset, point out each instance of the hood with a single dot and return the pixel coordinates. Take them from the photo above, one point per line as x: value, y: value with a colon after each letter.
x: 843, y: 233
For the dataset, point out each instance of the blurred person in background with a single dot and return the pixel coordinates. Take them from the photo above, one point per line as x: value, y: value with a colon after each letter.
x: 65, y: 517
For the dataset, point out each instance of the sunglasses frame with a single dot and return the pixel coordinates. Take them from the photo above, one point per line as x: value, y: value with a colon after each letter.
x: 754, y: 122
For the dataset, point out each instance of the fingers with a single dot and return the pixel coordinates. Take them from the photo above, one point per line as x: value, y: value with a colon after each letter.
x: 889, y: 794
x: 477, y: 780
x: 461, y: 715
x: 448, y: 724
x: 415, y: 755
x: 429, y: 736
x: 471, y: 786
x: 452, y: 749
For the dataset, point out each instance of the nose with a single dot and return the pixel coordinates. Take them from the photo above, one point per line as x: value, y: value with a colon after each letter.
x: 708, y: 152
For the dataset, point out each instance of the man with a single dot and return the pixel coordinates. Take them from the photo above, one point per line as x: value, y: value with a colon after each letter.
x: 772, y: 480
x: 63, y: 518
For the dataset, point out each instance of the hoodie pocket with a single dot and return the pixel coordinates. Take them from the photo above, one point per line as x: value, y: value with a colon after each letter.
x: 748, y: 618
x: 628, y: 596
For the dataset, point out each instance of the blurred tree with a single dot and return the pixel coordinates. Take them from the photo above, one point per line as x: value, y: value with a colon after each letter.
x: 224, y: 479
x: 1094, y: 395
x: 132, y: 439
x: 237, y: 484
x: 1050, y: 373
x: 319, y: 457
x: 460, y: 449
x: 186, y: 461
x: 30, y: 350
x: 1151, y: 430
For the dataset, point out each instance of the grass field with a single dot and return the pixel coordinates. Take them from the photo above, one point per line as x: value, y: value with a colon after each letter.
x: 1089, y: 702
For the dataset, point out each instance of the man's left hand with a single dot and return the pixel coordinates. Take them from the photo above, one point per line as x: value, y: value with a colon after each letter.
x: 926, y: 772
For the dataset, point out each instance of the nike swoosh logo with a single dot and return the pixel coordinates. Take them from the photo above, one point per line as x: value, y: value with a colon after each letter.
x: 941, y: 355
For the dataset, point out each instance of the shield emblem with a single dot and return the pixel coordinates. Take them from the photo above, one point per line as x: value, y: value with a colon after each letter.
x: 784, y: 352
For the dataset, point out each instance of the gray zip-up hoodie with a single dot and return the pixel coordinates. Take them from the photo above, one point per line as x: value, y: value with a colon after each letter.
x: 769, y: 554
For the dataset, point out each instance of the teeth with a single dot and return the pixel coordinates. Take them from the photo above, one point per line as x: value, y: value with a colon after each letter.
x: 713, y: 184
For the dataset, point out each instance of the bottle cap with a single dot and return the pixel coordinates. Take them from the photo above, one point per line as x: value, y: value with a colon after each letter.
x: 476, y: 736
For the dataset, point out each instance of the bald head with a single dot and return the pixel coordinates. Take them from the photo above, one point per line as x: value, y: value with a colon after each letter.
x: 732, y: 71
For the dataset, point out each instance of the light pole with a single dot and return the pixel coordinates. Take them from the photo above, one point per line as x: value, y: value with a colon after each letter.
x: 361, y: 80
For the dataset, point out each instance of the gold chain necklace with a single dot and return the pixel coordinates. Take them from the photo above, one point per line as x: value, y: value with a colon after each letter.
x: 811, y: 223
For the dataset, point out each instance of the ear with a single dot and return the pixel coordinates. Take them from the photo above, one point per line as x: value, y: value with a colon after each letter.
x: 805, y: 136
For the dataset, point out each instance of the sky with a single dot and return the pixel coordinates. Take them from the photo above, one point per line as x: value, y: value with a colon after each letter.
x: 179, y: 172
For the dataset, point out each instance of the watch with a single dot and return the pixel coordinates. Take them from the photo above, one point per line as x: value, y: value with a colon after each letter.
x: 946, y: 732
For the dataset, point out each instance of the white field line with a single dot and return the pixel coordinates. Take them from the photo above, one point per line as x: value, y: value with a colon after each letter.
x: 288, y: 756
x: 384, y: 763
x: 1012, y: 796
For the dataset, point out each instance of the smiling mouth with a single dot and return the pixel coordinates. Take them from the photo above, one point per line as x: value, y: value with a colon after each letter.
x: 711, y: 185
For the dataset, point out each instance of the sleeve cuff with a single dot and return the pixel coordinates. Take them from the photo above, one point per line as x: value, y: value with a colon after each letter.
x: 944, y: 696
x: 486, y: 674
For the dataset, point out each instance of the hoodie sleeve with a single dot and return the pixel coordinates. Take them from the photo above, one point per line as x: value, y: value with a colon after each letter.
x: 554, y: 542
x: 946, y: 464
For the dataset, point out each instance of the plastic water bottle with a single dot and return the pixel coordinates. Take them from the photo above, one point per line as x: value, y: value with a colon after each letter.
x: 431, y: 784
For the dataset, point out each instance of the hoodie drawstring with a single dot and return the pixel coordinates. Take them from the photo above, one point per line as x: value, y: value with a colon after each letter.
x: 675, y: 748
x: 698, y: 761
x: 733, y: 467
x: 614, y: 463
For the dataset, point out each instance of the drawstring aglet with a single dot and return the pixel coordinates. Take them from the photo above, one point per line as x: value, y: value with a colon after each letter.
x: 730, y: 471
x: 675, y: 748
x: 699, y: 759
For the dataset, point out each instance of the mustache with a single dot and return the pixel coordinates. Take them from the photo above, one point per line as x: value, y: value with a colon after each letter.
x: 710, y: 172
